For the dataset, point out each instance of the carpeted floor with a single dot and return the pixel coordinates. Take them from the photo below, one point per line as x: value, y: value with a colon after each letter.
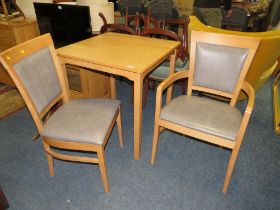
x: 188, y: 174
x: 10, y: 101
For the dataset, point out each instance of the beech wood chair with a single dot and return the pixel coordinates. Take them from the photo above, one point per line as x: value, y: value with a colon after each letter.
x: 81, y: 125
x: 218, y: 65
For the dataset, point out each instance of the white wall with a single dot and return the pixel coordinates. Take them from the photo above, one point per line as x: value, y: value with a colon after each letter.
x: 27, y: 6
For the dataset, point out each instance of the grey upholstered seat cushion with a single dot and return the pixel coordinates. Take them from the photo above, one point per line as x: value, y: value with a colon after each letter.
x: 203, y: 114
x: 84, y: 120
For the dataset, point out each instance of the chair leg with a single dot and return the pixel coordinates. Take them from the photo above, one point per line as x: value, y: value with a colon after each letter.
x: 103, y: 169
x: 49, y: 159
x: 155, y: 143
x: 231, y: 164
x: 119, y: 124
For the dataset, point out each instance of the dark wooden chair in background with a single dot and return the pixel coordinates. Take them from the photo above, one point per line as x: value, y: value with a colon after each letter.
x: 118, y: 28
x: 162, y: 71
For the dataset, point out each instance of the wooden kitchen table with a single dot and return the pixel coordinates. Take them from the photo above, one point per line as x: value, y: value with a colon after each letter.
x: 133, y: 57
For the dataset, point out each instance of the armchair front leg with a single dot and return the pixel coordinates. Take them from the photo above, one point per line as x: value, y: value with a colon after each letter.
x: 246, y: 117
x: 165, y: 84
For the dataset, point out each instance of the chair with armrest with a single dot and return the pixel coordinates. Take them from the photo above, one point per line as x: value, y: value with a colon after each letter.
x: 81, y: 125
x: 266, y: 58
x: 218, y: 65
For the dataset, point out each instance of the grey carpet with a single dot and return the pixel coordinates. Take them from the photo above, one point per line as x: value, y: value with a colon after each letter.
x: 188, y: 174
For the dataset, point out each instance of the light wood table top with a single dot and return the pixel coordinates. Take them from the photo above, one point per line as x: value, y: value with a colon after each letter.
x: 126, y: 52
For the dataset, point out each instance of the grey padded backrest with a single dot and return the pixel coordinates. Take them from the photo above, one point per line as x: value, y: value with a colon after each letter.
x: 38, y: 74
x: 218, y: 67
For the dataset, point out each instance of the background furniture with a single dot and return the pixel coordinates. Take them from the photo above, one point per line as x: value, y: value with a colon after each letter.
x: 10, y: 10
x: 266, y: 58
x: 85, y: 83
x: 162, y: 71
x: 133, y: 6
x: 238, y: 20
x: 133, y: 57
x: 203, y: 118
x: 12, y: 33
x: 162, y: 29
x: 75, y: 125
x: 118, y: 28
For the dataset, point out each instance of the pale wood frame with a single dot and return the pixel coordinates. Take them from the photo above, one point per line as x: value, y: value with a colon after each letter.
x: 15, y: 54
x: 276, y: 103
x: 220, y: 39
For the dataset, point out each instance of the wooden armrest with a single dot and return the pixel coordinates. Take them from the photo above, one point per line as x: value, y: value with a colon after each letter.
x: 248, y: 89
x: 166, y: 83
x: 171, y: 79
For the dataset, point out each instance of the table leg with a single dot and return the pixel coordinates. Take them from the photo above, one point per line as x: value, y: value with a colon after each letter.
x: 113, y: 87
x: 138, y: 89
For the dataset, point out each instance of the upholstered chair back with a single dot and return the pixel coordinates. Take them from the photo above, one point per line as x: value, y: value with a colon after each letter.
x: 38, y: 75
x: 218, y: 67
x: 218, y: 63
x: 266, y: 58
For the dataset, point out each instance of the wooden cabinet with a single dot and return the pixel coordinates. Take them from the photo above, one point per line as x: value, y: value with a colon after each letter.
x: 87, y: 83
x: 12, y: 33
